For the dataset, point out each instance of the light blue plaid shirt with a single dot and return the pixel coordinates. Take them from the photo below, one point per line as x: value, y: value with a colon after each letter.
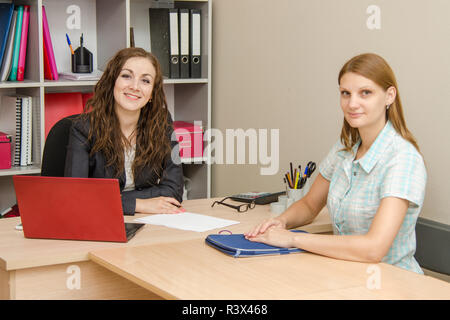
x: 392, y: 167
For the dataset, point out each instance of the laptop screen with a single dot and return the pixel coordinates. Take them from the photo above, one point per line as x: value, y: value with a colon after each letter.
x: 70, y: 208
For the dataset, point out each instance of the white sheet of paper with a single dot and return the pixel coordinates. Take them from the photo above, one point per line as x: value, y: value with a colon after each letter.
x: 187, y: 221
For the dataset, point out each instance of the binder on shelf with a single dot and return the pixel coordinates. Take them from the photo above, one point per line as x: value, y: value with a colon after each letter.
x: 60, y: 105
x: 26, y: 133
x: 159, y: 37
x: 48, y: 46
x: 23, y: 43
x: 132, y: 45
x: 195, y: 58
x: 18, y: 130
x: 47, y: 69
x: 7, y: 56
x: 6, y: 14
x: 16, y: 49
x: 174, y: 44
x: 184, y: 43
x: 11, y: 123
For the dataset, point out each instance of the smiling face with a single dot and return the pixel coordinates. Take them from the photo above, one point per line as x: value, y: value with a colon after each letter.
x: 134, y: 85
x: 364, y: 102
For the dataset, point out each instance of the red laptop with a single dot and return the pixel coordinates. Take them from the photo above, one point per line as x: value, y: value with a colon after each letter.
x: 72, y: 209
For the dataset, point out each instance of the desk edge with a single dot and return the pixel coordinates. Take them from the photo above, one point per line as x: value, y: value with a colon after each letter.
x: 130, y: 277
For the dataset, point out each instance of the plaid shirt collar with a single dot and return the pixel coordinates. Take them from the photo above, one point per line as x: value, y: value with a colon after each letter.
x: 376, y: 150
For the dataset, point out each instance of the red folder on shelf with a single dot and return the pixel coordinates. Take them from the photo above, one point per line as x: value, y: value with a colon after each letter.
x: 23, y: 43
x: 49, y: 46
x: 86, y: 97
x: 47, y: 71
x: 60, y: 105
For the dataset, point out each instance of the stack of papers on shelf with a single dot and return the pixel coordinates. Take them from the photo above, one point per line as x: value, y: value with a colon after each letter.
x: 95, y: 75
x: 187, y: 221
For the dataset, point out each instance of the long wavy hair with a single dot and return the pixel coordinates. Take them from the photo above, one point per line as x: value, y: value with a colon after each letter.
x: 375, y: 68
x: 152, y: 141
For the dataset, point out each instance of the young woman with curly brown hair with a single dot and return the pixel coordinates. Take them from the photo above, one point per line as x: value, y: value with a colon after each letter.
x: 125, y: 132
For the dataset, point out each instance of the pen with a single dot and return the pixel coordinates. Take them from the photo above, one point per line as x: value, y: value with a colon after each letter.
x: 81, y: 50
x: 70, y: 44
x: 292, y: 173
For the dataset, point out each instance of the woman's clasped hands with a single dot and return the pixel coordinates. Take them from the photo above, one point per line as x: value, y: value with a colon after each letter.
x: 272, y: 232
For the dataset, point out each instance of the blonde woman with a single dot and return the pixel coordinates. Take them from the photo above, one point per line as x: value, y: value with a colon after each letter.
x: 372, y: 180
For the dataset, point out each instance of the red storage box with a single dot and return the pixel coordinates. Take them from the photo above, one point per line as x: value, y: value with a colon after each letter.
x: 190, y: 139
x: 5, y: 151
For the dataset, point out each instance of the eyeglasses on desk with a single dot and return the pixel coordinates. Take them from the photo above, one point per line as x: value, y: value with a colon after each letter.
x: 240, y: 208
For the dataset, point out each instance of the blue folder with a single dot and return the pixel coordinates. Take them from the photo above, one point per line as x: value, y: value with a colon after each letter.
x: 237, y: 246
x: 6, y: 13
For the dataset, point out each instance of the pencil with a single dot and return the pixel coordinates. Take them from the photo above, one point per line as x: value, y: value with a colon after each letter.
x: 296, y: 180
x: 289, y: 180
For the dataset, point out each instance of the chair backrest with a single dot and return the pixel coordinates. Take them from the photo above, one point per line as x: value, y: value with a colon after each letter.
x: 432, y: 249
x: 55, y: 149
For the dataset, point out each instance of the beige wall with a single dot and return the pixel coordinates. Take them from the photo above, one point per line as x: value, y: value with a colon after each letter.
x: 275, y: 65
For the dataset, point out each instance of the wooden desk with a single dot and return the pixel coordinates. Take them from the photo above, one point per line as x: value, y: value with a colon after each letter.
x: 40, y: 269
x: 193, y: 270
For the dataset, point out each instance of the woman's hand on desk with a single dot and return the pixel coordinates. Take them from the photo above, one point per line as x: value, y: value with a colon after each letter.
x: 263, y: 226
x: 276, y: 236
x: 159, y: 205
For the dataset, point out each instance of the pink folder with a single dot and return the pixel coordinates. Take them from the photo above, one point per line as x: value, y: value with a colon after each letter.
x: 23, y: 43
x: 48, y: 45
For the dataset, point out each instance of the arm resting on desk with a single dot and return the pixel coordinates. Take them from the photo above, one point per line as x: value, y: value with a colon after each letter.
x: 370, y: 247
x: 300, y: 213
x: 170, y: 185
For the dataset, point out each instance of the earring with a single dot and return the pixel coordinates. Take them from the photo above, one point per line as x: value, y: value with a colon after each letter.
x: 388, y: 106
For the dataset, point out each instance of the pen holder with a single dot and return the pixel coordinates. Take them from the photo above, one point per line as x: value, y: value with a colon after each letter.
x: 283, y: 199
x: 82, y: 61
x: 277, y: 208
x: 295, y: 194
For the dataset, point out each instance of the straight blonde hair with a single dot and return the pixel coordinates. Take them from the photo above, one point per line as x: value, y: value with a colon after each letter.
x: 375, y: 68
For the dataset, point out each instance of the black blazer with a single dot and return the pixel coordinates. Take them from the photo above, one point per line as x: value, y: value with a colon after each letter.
x: 80, y: 164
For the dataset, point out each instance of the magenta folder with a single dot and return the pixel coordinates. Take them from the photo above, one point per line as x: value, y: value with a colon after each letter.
x: 23, y: 43
x: 48, y: 45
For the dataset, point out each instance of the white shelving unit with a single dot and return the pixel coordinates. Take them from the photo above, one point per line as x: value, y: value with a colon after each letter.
x: 105, y: 25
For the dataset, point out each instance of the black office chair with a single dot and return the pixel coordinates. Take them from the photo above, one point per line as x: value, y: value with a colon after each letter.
x: 432, y: 249
x: 55, y: 148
